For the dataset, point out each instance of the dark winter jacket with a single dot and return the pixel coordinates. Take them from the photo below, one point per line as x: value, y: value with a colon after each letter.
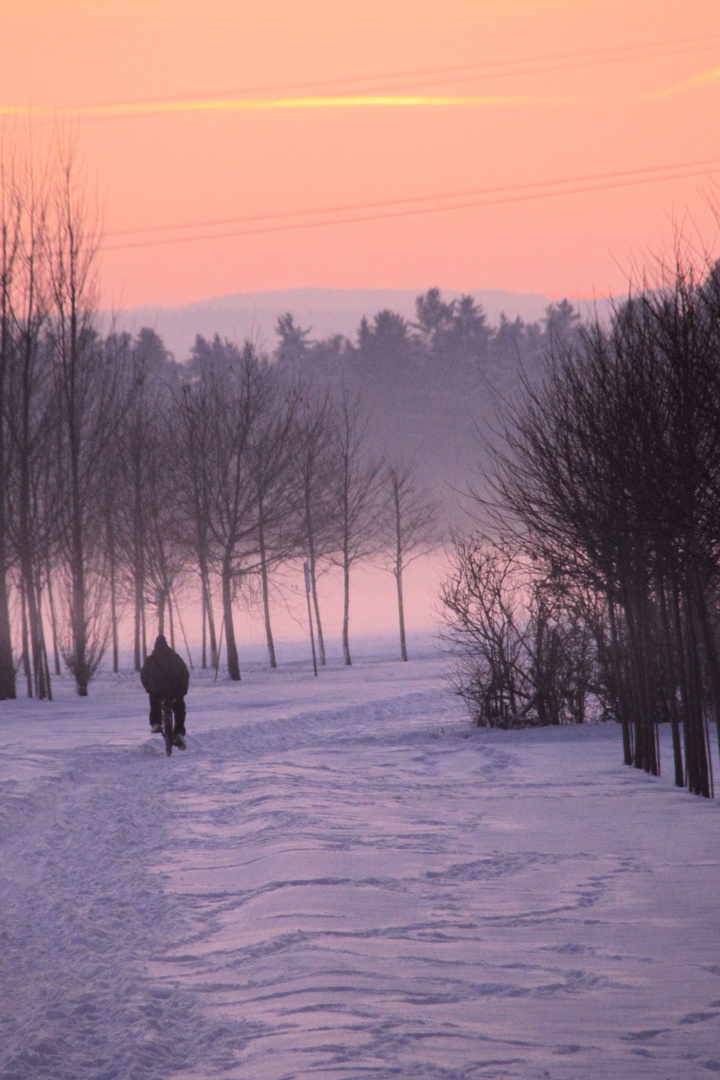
x: 164, y: 672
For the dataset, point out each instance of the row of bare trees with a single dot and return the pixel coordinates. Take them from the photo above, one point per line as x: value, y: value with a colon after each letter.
x: 282, y: 472
x: 59, y: 402
x: 127, y: 478
x: 609, y: 483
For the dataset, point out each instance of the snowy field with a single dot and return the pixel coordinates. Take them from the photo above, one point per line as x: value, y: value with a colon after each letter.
x: 342, y: 878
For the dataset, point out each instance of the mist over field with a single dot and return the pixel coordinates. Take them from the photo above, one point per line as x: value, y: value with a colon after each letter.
x: 442, y: 421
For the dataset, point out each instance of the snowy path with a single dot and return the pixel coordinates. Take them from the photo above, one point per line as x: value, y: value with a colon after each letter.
x: 341, y: 878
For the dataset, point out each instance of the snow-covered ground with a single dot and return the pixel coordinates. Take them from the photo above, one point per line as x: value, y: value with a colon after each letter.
x: 342, y: 878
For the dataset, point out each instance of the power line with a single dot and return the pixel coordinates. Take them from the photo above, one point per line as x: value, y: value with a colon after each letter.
x: 407, y: 207
x: 617, y: 53
x: 475, y: 192
x: 423, y: 77
x: 583, y: 60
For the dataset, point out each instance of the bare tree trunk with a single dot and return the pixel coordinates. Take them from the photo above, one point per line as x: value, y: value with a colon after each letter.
x: 265, y: 587
x: 313, y: 570
x: 401, y: 615
x: 230, y: 646
x: 182, y: 629
x: 709, y: 646
x: 7, y: 258
x: 208, y: 609
x: 8, y: 689
x: 7, y: 667
x: 27, y: 669
x: 114, y: 620
x: 619, y: 679
x: 38, y: 668
x: 139, y: 568
x: 398, y: 569
x: 69, y: 355
x: 346, y: 613
x: 318, y: 624
x: 355, y: 491
x: 637, y: 632
x: 205, y: 630
x: 410, y: 518
x: 211, y: 623
x: 26, y: 537
x: 695, y: 756
x: 46, y: 665
x: 670, y: 652
x: 160, y: 604
x: 27, y: 568
x: 702, y: 775
x: 112, y: 568
x: 53, y: 624
x: 78, y: 616
x: 203, y: 615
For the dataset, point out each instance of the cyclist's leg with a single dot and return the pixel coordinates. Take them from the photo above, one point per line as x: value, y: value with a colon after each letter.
x: 156, y: 709
x: 178, y: 708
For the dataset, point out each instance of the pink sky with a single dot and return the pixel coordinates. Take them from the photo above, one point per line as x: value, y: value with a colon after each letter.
x: 241, y: 121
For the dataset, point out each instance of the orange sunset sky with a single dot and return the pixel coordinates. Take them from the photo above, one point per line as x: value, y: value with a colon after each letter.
x: 526, y: 145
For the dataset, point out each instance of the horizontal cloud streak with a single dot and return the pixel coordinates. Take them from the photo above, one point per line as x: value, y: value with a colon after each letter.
x: 706, y: 78
x: 237, y: 105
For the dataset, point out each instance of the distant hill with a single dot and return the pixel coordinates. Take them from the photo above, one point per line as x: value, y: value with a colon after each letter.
x: 326, y: 311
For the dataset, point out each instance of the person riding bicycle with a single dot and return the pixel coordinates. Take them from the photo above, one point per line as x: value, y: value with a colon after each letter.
x: 166, y: 678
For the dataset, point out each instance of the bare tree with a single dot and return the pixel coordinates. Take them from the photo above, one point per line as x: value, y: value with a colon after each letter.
x: 314, y: 468
x: 193, y: 446
x: 113, y: 491
x: 276, y: 493
x: 222, y: 408
x: 10, y: 218
x: 133, y: 452
x: 412, y: 527
x: 91, y: 407
x: 356, y: 487
x: 165, y: 556
x: 613, y: 471
x: 30, y: 414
